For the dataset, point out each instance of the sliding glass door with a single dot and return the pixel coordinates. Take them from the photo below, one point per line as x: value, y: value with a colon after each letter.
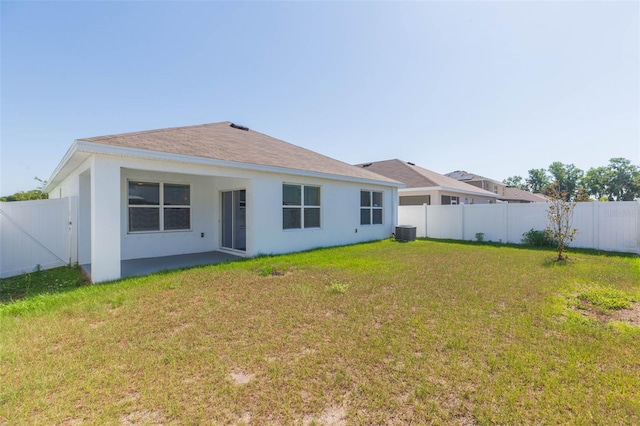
x: 234, y: 224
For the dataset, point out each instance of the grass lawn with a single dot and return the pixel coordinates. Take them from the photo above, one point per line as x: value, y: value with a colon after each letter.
x: 380, y: 333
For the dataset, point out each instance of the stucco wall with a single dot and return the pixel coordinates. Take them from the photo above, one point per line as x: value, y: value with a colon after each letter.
x: 203, y: 233
x: 340, y: 209
x: 340, y: 215
x: 436, y: 196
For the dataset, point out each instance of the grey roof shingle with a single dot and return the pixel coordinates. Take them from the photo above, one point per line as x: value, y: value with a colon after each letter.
x: 220, y: 141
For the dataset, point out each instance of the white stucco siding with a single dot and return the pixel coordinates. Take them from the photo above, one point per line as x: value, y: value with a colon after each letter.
x: 101, y: 184
x: 69, y: 186
x: 462, y: 198
x: 340, y: 215
x: 202, y: 236
x: 436, y: 196
x: 105, y: 219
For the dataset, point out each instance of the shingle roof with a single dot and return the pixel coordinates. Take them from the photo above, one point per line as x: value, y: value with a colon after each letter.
x: 513, y: 194
x: 418, y: 177
x: 220, y: 141
x: 464, y: 176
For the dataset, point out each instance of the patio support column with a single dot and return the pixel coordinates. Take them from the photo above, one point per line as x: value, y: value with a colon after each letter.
x: 105, y: 219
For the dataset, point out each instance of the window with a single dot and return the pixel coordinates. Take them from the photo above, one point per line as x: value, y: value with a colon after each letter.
x: 447, y: 199
x: 415, y: 200
x: 370, y: 208
x: 159, y: 207
x: 300, y: 206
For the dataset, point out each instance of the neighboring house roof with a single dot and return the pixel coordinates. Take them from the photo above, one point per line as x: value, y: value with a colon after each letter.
x: 417, y: 177
x: 517, y: 194
x: 218, y: 144
x: 464, y: 176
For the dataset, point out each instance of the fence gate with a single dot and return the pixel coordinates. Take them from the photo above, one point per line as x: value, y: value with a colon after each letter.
x: 37, y: 234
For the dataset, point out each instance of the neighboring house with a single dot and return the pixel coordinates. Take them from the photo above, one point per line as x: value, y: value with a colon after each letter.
x: 427, y: 187
x: 214, y: 187
x: 478, y: 181
x: 507, y: 194
x: 517, y: 195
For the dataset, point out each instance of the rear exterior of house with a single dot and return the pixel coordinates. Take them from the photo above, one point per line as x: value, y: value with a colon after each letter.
x: 423, y: 186
x: 214, y: 187
x: 508, y: 194
x: 478, y: 181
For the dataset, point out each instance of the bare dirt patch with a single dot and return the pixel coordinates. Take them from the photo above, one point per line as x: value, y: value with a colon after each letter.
x: 241, y: 378
x: 630, y: 316
x: 335, y: 416
x: 143, y: 417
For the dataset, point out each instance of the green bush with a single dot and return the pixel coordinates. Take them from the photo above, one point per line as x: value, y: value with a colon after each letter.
x: 537, y: 238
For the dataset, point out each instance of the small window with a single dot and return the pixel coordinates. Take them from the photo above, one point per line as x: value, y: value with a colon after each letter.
x: 300, y: 206
x: 370, y: 208
x: 447, y: 200
x: 157, y: 206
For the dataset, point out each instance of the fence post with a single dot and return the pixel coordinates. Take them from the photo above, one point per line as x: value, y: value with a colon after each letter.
x: 596, y: 225
x: 425, y: 207
x: 506, y: 222
x: 638, y: 226
x: 462, y: 219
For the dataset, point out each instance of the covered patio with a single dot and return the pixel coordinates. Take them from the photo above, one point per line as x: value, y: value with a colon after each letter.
x: 146, y: 266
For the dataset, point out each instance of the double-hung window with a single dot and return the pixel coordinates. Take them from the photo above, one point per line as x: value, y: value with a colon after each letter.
x: 370, y: 208
x: 300, y: 206
x: 157, y: 206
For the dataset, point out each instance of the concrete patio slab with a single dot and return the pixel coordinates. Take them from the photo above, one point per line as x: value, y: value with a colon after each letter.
x: 139, y: 267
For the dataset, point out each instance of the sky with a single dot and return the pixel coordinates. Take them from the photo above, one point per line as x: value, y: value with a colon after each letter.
x: 493, y: 88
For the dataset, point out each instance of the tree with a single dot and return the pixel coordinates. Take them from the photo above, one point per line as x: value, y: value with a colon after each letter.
x: 596, y: 182
x: 623, y: 180
x: 582, y: 195
x: 34, y: 194
x: 560, y: 218
x: 566, y: 177
x: 515, y: 181
x: 537, y: 180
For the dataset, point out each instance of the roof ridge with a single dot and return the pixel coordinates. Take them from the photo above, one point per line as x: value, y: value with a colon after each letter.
x: 140, y: 132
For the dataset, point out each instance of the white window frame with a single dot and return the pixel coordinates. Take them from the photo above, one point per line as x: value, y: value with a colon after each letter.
x: 371, y: 208
x: 160, y: 206
x: 302, y: 206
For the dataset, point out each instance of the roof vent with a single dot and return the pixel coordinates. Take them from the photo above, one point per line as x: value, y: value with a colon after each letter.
x: 239, y: 127
x: 367, y: 165
x: 410, y: 163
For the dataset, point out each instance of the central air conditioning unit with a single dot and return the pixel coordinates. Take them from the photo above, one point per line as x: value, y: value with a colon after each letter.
x: 405, y: 233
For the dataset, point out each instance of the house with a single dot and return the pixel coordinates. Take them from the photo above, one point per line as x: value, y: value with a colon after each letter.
x: 214, y: 187
x: 478, y: 181
x: 427, y: 187
x: 507, y: 194
x: 517, y: 195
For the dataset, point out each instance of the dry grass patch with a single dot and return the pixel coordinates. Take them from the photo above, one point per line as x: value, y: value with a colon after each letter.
x: 425, y: 332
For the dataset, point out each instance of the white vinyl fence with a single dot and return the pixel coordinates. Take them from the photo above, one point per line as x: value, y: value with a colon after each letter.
x: 37, y: 234
x: 612, y: 226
